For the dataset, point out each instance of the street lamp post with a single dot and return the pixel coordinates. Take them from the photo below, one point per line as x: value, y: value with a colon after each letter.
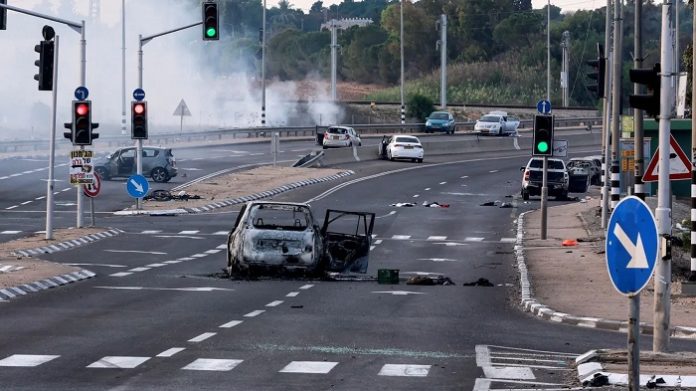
x: 401, y: 43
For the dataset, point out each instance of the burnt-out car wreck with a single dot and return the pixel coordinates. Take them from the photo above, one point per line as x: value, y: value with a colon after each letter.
x: 282, y: 237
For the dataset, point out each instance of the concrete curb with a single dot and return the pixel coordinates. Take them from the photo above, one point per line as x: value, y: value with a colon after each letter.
x: 532, y: 305
x: 239, y: 200
x: 68, y: 244
x: 46, y: 283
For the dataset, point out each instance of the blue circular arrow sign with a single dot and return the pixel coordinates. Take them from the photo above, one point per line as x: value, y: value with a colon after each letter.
x: 544, y: 106
x: 137, y: 186
x: 139, y: 94
x: 81, y: 93
x: 631, y: 245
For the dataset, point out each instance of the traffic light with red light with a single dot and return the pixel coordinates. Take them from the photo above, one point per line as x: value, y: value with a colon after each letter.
x: 82, y: 125
x: 139, y: 120
x: 650, y: 102
x: 543, y: 135
x: 211, y: 28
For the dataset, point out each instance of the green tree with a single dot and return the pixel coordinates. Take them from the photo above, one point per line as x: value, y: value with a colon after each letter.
x: 419, y: 107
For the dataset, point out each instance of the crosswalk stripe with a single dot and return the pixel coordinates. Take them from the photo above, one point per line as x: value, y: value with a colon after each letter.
x: 212, y: 364
x: 473, y: 239
x: 26, y: 360
x: 155, y: 231
x: 118, y: 362
x: 437, y: 237
x: 170, y: 352
x: 189, y: 232
x: 322, y: 367
x: 401, y: 237
x: 404, y: 370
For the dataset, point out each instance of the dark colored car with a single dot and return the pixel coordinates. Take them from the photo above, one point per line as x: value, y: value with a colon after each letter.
x: 440, y: 121
x: 158, y: 164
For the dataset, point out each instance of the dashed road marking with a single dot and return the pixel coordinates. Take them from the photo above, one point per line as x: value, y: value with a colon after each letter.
x: 321, y: 367
x: 202, y: 337
x: 437, y: 237
x: 26, y: 360
x: 307, y: 286
x: 292, y: 294
x: 401, y: 237
x: 473, y: 239
x: 253, y: 314
x: 118, y: 362
x: 212, y: 364
x: 231, y: 324
x: 193, y: 232
x: 170, y: 352
x: 120, y: 274
x: 274, y: 303
x: 404, y: 370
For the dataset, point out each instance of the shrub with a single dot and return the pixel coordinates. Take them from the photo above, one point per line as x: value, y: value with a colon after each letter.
x: 419, y: 106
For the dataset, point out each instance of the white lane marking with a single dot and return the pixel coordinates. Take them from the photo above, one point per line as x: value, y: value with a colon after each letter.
x: 378, y: 241
x: 67, y: 189
x: 120, y: 274
x: 438, y: 259
x: 10, y: 232
x: 26, y: 360
x: 178, y: 237
x: 464, y: 177
x: 274, y: 303
x: 508, y: 240
x: 517, y: 373
x: 136, y: 252
x: 321, y: 367
x: 492, y: 171
x: 185, y: 289
x: 473, y: 239
x: 156, y: 265
x: 442, y: 183
x: 40, y: 198
x: 199, y: 255
x: 14, y: 175
x: 4, y: 177
x: 172, y: 262
x: 404, y: 370
x: 202, y: 337
x: 427, y: 188
x: 118, y: 362
x: 139, y: 269
x: 221, y: 233
x: 372, y: 248
x: 96, y: 264
x: 27, y: 172
x: 212, y: 364
x: 482, y: 384
x: 170, y: 352
x: 222, y: 247
x: 399, y: 293
x: 437, y: 237
x: 188, y: 232
x: 401, y: 237
x: 151, y: 231
x: 231, y: 324
x: 292, y: 294
x: 254, y: 313
x: 214, y: 251
x: 307, y: 286
x: 185, y: 259
x: 452, y: 244
x: 26, y: 202
x: 11, y: 207
x: 416, y: 195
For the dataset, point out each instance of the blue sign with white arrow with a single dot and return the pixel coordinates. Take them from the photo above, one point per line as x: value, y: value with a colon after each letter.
x: 81, y: 93
x: 631, y: 245
x: 137, y: 186
x: 544, y: 106
x: 139, y: 94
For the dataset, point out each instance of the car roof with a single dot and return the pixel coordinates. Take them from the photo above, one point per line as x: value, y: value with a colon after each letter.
x: 250, y: 203
x: 405, y: 135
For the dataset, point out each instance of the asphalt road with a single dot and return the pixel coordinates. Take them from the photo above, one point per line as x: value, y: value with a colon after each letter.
x: 159, y: 317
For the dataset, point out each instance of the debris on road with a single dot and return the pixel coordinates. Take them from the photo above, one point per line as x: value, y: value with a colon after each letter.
x: 429, y: 280
x: 166, y: 195
x: 403, y: 204
x: 569, y: 243
x: 429, y: 204
x: 480, y: 282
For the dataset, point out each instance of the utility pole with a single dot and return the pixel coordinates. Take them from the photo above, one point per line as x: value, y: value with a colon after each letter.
x: 442, y: 45
x: 692, y: 273
x: 123, y: 66
x: 663, y: 212
x: 263, y: 66
x: 401, y: 43
x: 616, y: 103
x: 639, y: 187
x: 606, y: 117
x: 334, y: 49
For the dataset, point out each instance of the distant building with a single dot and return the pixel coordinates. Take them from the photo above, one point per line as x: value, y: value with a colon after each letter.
x: 346, y: 23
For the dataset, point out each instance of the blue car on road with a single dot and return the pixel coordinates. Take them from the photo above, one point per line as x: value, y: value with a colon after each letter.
x: 440, y: 121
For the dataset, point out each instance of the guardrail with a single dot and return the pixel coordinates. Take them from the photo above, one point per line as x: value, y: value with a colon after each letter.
x: 165, y: 138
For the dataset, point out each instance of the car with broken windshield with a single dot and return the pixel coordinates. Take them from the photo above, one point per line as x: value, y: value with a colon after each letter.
x: 279, y: 237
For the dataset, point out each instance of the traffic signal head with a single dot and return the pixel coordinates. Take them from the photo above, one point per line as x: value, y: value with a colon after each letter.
x: 543, y: 135
x: 650, y: 102
x: 598, y: 73
x: 45, y: 64
x: 139, y: 120
x: 82, y: 123
x: 211, y: 30
x: 3, y: 16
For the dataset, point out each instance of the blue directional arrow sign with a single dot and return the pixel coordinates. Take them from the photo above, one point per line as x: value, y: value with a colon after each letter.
x: 544, y: 106
x: 137, y: 186
x: 139, y: 94
x: 81, y: 93
x: 631, y: 245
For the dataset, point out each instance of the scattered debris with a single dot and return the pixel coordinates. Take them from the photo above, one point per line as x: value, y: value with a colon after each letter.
x: 489, y: 203
x: 480, y: 282
x: 587, y: 240
x: 429, y: 280
x: 653, y: 383
x: 569, y: 243
x: 506, y: 205
x: 296, y: 306
x: 598, y: 380
x: 387, y: 276
x: 429, y: 204
x: 166, y: 195
x: 403, y: 204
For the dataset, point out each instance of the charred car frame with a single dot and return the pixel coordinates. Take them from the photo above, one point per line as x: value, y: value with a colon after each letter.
x: 282, y: 236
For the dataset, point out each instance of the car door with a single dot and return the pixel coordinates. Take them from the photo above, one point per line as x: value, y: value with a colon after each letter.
x: 126, y: 162
x: 355, y: 136
x: 347, y: 238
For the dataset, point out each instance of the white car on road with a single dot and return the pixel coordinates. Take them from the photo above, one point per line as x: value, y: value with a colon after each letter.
x: 340, y: 136
x: 401, y: 146
x: 496, y: 123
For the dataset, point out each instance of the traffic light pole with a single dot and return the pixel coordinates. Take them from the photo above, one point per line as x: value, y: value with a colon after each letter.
x: 83, y: 81
x: 616, y: 103
x: 663, y: 212
x: 141, y: 42
x: 50, y: 186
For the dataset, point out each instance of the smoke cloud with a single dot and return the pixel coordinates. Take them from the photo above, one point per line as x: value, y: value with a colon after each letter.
x: 176, y: 66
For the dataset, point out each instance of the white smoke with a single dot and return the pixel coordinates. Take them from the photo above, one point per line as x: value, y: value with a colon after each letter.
x: 175, y: 67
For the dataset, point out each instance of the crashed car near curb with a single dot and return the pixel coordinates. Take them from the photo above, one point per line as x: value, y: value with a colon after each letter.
x: 283, y: 236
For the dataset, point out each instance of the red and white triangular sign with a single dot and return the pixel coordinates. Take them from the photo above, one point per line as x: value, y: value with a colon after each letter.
x: 679, y: 164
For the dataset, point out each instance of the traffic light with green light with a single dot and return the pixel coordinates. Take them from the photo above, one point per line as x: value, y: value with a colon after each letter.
x: 211, y: 28
x: 543, y: 135
x: 139, y: 120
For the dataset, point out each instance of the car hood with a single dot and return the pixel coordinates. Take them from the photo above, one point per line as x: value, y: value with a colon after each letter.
x: 438, y: 121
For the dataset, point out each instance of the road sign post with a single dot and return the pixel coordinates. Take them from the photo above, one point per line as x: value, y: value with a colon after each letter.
x: 631, y: 254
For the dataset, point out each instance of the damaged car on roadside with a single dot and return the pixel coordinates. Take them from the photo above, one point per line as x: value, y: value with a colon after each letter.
x: 282, y: 237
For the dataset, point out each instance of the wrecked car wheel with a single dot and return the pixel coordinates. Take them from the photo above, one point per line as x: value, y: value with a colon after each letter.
x: 159, y: 174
